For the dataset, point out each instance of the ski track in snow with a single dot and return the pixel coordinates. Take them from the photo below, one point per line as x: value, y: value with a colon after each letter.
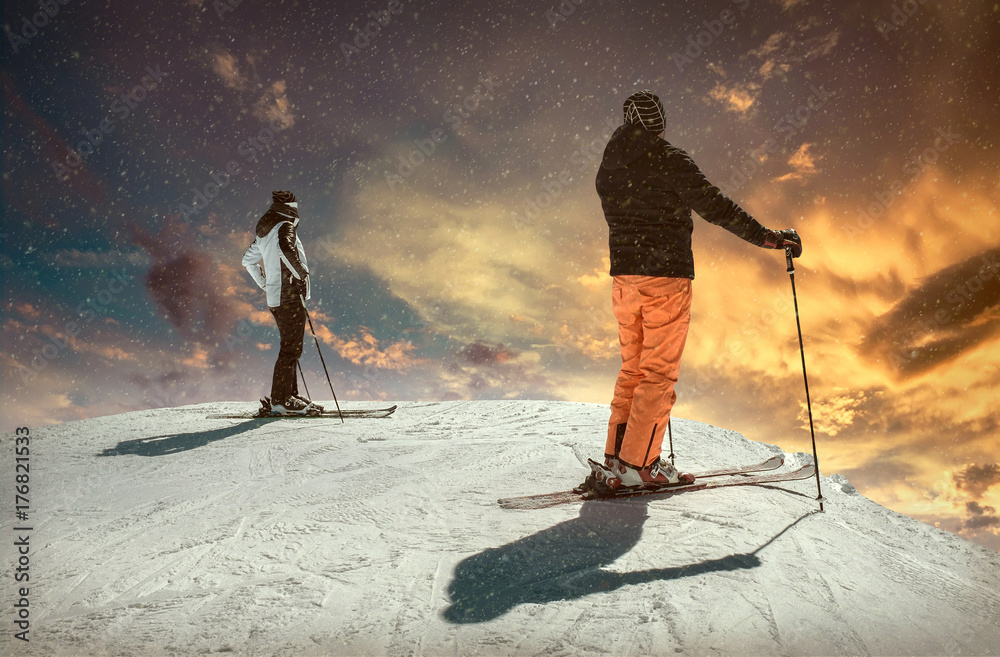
x: 165, y: 533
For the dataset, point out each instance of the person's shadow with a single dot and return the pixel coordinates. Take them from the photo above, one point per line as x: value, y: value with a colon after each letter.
x: 566, y: 562
x: 172, y: 443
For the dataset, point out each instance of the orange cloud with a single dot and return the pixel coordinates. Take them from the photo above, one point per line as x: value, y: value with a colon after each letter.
x: 738, y: 97
x: 831, y: 415
x: 226, y: 66
x: 803, y: 164
x: 365, y: 350
x: 274, y: 107
x: 600, y: 346
x: 27, y: 310
x: 198, y: 359
x: 600, y: 279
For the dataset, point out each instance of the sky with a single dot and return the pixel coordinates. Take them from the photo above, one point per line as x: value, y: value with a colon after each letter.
x: 444, y: 157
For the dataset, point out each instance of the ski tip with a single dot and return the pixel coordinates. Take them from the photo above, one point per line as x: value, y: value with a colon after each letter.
x: 802, y: 472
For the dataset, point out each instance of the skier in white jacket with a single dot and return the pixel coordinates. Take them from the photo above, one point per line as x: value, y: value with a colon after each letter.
x: 277, y: 262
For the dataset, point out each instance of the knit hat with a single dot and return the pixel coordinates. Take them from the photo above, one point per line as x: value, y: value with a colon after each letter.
x: 285, y: 205
x: 644, y: 108
x: 283, y: 197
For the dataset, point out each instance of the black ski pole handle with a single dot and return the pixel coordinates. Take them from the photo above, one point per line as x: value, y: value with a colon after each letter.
x: 788, y: 260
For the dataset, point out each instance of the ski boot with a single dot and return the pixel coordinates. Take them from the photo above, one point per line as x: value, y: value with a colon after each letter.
x: 616, y: 477
x: 314, y: 406
x: 597, y: 473
x: 292, y: 406
x: 265, y: 407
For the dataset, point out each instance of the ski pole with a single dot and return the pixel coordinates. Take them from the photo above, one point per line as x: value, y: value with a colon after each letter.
x: 303, y: 377
x: 670, y: 433
x: 311, y: 330
x: 805, y: 378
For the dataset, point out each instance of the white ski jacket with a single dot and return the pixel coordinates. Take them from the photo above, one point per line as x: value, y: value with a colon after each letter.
x: 264, y: 259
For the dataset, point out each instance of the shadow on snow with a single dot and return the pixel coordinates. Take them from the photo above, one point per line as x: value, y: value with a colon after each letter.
x: 172, y: 443
x: 566, y: 562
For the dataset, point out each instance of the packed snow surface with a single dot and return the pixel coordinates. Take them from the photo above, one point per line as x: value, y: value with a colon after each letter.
x: 165, y: 533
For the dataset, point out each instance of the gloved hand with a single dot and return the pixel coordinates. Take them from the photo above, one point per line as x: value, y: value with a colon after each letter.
x: 302, y: 286
x: 779, y: 239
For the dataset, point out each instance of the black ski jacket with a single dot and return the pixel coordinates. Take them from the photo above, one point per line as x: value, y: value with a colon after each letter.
x: 648, y: 188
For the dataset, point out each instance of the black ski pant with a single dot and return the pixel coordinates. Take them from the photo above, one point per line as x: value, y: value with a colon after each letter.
x: 291, y: 319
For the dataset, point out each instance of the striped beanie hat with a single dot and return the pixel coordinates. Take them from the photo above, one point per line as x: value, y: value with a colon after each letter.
x: 644, y: 108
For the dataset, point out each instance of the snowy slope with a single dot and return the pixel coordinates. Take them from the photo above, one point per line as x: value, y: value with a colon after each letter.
x: 162, y: 532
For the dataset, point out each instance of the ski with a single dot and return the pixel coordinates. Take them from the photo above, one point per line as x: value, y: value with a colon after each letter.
x: 568, y: 497
x: 355, y: 413
x: 772, y: 463
x: 541, y: 501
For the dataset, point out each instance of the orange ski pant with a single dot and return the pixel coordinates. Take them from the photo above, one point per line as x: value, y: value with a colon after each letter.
x: 653, y: 314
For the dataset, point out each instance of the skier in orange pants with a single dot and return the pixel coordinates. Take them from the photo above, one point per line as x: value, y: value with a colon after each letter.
x: 648, y: 188
x: 653, y: 315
